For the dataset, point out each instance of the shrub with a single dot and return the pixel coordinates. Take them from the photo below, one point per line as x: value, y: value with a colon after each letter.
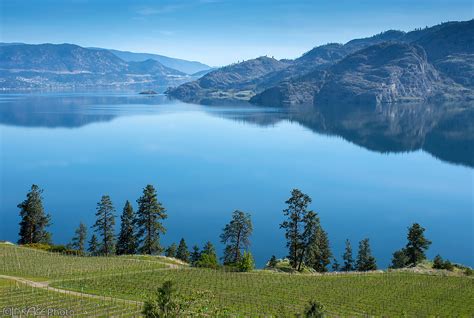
x: 439, y: 263
x: 246, y: 263
x: 314, y: 310
x: 165, y: 304
x: 208, y: 261
x: 39, y: 246
x: 272, y: 263
x: 399, y: 259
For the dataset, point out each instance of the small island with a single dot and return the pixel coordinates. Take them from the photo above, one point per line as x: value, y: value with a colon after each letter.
x: 148, y: 92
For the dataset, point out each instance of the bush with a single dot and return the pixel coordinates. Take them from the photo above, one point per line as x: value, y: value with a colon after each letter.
x: 168, y: 303
x: 468, y: 271
x: 272, y: 263
x: 399, y: 259
x: 439, y: 263
x: 53, y: 248
x: 448, y: 265
x: 314, y: 310
x: 165, y: 304
x: 208, y: 261
x: 39, y: 246
x: 246, y: 263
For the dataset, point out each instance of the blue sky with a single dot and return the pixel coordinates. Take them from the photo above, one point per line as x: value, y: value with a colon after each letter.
x: 217, y: 32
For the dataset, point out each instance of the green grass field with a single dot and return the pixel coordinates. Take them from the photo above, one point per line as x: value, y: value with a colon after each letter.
x: 260, y: 293
x: 15, y: 297
x: 41, y: 266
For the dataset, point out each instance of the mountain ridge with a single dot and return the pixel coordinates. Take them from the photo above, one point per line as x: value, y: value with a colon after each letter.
x: 442, y: 68
x: 31, y: 66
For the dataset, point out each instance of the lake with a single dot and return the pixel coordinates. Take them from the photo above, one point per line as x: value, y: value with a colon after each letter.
x: 371, y: 172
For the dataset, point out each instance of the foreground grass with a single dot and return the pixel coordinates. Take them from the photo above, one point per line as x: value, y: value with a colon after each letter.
x: 260, y: 293
x: 16, y: 296
x: 392, y: 294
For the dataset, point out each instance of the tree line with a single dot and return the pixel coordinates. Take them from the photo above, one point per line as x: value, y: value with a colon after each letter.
x: 140, y: 232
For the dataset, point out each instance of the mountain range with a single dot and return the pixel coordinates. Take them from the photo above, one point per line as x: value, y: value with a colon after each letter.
x: 393, y: 66
x: 188, y: 67
x: 29, y: 66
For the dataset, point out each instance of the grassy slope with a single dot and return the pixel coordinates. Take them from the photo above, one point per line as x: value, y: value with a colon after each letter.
x: 18, y: 296
x: 276, y: 293
x: 254, y: 293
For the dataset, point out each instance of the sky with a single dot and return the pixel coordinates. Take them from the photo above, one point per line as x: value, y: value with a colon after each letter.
x: 217, y: 32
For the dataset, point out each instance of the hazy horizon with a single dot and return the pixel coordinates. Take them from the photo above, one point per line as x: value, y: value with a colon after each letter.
x: 217, y: 32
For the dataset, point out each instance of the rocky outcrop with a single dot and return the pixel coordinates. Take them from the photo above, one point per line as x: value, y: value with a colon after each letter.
x: 234, y: 81
x: 383, y: 73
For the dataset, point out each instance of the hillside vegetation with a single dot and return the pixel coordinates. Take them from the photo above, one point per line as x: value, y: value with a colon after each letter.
x: 127, y: 281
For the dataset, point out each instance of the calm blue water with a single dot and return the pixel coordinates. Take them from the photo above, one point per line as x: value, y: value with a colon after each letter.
x: 207, y: 161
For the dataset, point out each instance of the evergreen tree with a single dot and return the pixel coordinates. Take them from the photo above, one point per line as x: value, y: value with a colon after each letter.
x: 166, y: 304
x: 365, y: 260
x: 127, y: 239
x: 195, y: 255
x: 347, y: 257
x: 399, y: 259
x: 208, y: 248
x: 319, y: 253
x: 246, y: 262
x: 438, y: 262
x: 79, y: 240
x: 93, y: 245
x: 208, y: 257
x: 149, y: 216
x: 335, y: 265
x: 272, y: 263
x: 182, y: 253
x: 34, y: 220
x: 236, y: 236
x: 297, y: 228
x: 228, y: 256
x: 104, y: 225
x: 417, y: 244
x: 171, y: 250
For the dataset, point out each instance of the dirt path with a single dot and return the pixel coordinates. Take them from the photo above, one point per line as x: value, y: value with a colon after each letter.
x: 45, y: 285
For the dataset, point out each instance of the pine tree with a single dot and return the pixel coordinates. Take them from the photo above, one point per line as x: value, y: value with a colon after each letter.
x: 208, y: 257
x: 347, y: 257
x: 34, y: 220
x: 319, y: 254
x: 438, y: 262
x: 246, y: 262
x: 399, y: 259
x: 195, y: 255
x: 335, y: 265
x: 127, y: 239
x: 417, y: 244
x: 365, y: 260
x: 93, y: 245
x: 79, y: 240
x: 149, y: 216
x: 171, y: 250
x: 104, y: 225
x: 272, y: 263
x: 236, y: 236
x: 228, y: 256
x: 295, y: 233
x: 182, y: 253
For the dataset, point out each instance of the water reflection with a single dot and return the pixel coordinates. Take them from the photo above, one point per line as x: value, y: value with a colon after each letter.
x: 443, y: 130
